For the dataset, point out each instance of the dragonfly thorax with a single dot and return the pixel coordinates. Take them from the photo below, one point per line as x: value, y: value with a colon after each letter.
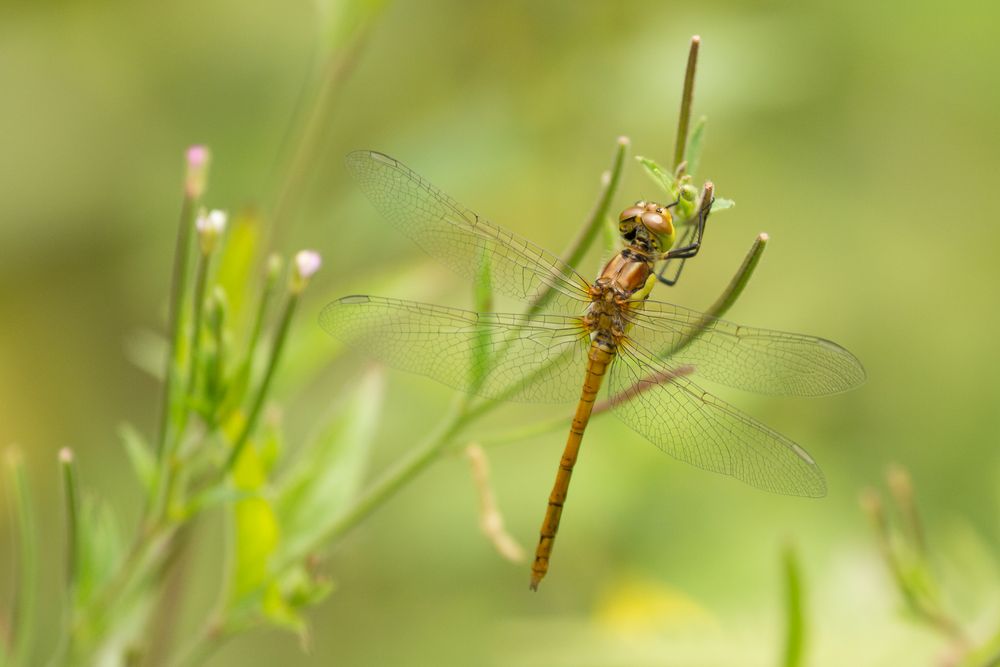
x: 624, y: 275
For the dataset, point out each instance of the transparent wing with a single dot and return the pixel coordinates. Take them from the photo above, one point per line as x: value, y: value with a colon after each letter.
x: 696, y: 427
x: 460, y: 239
x: 758, y: 360
x: 494, y: 355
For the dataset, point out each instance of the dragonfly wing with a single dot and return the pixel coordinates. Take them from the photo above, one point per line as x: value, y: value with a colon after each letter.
x: 696, y: 427
x: 461, y: 239
x: 759, y: 360
x: 499, y: 356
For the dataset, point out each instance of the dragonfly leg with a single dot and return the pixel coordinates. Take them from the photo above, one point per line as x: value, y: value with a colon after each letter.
x: 687, y: 251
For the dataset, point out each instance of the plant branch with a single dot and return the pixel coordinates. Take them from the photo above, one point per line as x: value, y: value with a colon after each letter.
x: 687, y: 99
x: 262, y: 391
x: 197, y: 166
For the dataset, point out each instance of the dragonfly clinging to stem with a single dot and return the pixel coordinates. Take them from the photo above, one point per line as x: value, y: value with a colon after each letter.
x: 607, y: 330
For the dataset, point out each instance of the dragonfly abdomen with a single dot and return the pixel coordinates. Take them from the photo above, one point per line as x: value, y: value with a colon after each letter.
x: 602, y: 352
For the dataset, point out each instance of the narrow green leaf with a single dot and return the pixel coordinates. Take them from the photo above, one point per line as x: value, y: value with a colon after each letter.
x: 721, y: 204
x: 140, y: 455
x: 71, y: 494
x: 662, y: 177
x: 795, y: 622
x: 256, y: 529
x: 692, y: 156
x: 238, y: 261
x: 329, y: 470
x: 26, y: 581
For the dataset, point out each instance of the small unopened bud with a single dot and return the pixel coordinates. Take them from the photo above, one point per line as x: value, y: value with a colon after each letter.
x: 210, y: 227
x: 689, y: 192
x: 196, y: 174
x: 307, y: 263
x: 65, y: 455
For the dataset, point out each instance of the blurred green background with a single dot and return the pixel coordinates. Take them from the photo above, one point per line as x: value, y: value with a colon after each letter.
x: 861, y: 136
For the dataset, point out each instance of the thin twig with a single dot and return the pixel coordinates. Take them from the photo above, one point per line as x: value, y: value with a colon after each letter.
x: 490, y: 518
x: 687, y: 100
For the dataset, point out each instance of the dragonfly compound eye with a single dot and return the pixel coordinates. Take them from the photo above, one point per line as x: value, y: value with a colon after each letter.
x: 658, y: 223
x: 661, y: 226
x: 631, y: 213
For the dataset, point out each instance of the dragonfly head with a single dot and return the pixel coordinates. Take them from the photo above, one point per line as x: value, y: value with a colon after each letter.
x: 648, y: 226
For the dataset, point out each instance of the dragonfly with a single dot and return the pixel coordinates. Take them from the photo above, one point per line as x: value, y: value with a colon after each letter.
x: 608, y: 332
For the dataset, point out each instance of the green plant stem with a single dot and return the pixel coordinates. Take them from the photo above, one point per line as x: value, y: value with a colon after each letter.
x: 197, y: 311
x: 178, y: 285
x: 794, y: 613
x: 687, y: 99
x: 270, y: 282
x: 71, y: 494
x: 216, y: 371
x: 26, y: 583
x: 261, y: 396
